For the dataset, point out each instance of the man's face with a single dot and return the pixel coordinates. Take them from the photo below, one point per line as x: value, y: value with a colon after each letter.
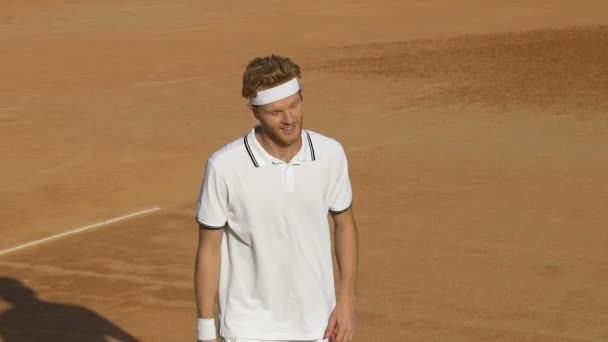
x: 281, y: 120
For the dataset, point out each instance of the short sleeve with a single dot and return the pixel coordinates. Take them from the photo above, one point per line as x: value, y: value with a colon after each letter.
x: 213, y: 199
x: 341, y: 195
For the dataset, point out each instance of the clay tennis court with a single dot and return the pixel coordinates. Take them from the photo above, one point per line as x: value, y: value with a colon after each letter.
x: 477, y: 135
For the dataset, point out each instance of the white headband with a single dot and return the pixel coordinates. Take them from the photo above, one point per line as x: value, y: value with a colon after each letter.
x: 276, y: 93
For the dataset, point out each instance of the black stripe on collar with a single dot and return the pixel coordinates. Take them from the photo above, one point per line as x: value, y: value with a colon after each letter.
x: 312, y: 149
x: 255, y: 162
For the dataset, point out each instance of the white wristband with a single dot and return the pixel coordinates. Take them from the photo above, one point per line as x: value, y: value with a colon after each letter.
x: 205, y: 329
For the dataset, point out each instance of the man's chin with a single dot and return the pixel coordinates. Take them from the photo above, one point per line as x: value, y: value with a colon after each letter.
x: 292, y: 136
x: 287, y: 141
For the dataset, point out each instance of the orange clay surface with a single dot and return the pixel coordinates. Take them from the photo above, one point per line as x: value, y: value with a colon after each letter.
x: 477, y: 134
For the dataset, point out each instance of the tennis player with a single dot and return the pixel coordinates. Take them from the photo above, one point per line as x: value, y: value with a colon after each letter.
x: 265, y: 244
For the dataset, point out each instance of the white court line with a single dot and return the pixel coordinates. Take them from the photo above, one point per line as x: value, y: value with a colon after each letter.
x: 78, y: 230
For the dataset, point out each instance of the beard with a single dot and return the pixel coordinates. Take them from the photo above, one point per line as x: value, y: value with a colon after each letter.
x: 284, y: 136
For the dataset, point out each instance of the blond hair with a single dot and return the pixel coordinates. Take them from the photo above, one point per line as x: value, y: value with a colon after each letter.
x: 266, y: 72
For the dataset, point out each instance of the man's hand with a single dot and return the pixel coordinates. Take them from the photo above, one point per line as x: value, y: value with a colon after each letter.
x: 342, y: 322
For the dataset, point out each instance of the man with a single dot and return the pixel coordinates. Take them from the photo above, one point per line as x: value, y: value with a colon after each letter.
x: 265, y: 242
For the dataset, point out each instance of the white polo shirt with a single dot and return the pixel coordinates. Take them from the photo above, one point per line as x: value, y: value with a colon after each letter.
x: 276, y: 274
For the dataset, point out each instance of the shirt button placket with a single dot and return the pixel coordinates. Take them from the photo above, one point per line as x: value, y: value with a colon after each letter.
x: 288, y: 178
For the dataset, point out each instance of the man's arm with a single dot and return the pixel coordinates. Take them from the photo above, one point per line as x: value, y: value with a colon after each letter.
x: 207, y: 272
x: 342, y: 322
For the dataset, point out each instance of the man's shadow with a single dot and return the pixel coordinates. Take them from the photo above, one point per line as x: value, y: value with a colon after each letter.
x: 31, y: 319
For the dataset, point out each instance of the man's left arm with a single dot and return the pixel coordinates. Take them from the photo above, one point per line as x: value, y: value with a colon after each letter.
x: 342, y: 323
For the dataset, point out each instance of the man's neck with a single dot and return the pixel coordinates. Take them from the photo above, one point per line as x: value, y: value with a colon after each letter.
x: 284, y: 153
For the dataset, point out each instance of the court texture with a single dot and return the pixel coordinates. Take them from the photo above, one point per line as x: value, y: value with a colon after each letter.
x: 476, y: 131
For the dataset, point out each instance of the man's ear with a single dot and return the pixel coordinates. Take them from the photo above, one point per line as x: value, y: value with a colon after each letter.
x: 252, y: 112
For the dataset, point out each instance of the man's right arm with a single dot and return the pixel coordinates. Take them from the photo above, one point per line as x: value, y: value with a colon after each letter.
x: 207, y: 272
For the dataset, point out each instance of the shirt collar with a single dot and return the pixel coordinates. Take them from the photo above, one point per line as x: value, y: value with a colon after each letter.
x: 259, y: 157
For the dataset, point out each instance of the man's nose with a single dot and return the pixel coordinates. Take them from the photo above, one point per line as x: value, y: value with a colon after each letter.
x: 288, y: 117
